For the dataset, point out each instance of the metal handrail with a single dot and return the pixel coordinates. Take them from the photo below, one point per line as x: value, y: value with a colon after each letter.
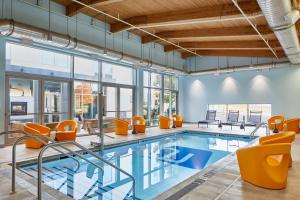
x: 256, y: 129
x: 40, y: 160
x: 36, y: 137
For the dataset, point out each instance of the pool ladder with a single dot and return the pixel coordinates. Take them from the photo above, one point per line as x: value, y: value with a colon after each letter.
x: 257, y: 128
x: 54, y: 144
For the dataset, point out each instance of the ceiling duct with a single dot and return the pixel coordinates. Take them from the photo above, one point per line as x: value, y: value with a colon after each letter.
x: 281, y: 17
x: 251, y: 67
x: 39, y: 35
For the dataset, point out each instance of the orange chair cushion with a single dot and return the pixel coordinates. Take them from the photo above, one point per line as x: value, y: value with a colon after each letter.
x: 292, y: 125
x: 65, y: 136
x: 276, y: 120
x: 121, y: 127
x: 36, y: 129
x: 66, y: 131
x: 164, y: 122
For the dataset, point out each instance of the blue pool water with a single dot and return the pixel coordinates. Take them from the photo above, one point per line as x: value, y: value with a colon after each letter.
x: 156, y: 164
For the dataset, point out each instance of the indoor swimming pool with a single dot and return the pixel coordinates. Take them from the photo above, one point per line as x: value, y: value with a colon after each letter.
x: 156, y: 164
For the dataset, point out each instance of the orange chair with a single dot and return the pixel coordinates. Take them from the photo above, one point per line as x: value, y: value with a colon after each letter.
x: 258, y: 167
x: 139, y: 124
x: 36, y: 129
x: 292, y: 125
x: 177, y: 120
x: 276, y: 121
x: 164, y: 122
x: 66, y: 131
x: 284, y: 137
x: 121, y: 127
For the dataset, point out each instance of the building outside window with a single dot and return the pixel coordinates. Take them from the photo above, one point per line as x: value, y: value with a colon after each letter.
x: 170, y: 95
x: 152, y: 97
x: 160, y: 93
x: 49, y: 75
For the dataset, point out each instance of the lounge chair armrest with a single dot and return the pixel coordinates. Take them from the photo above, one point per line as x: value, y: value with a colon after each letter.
x: 275, y: 149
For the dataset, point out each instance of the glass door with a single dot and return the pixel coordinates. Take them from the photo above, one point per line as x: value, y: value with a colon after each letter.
x: 126, y: 103
x: 119, y: 104
x: 56, y: 101
x: 22, y: 105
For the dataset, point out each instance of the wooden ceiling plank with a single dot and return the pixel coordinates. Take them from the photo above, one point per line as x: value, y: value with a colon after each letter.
x: 212, y: 32
x: 224, y: 45
x: 73, y: 8
x: 186, y: 16
x: 235, y: 53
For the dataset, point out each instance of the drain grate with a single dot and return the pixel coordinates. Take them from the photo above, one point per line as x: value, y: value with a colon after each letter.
x: 186, y: 189
x: 209, y: 174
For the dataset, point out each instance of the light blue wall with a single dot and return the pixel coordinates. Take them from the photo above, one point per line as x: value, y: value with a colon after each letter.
x: 210, y: 62
x: 279, y: 87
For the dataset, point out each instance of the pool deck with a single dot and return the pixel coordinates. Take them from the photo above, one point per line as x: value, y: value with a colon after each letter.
x: 218, y: 181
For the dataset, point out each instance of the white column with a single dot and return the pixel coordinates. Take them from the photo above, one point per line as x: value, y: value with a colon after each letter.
x: 2, y: 89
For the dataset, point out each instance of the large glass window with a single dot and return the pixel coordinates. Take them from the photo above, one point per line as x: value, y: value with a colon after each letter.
x: 86, y: 69
x: 152, y: 97
x: 155, y: 106
x: 49, y: 95
x: 160, y: 94
x: 23, y: 104
x: 170, y: 95
x: 86, y: 95
x: 37, y: 61
x: 117, y: 74
x: 244, y: 110
x: 56, y: 101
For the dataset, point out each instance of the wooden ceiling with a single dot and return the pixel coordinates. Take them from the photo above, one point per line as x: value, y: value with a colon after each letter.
x: 209, y: 27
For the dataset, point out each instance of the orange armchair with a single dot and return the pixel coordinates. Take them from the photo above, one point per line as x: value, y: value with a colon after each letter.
x: 177, y: 120
x: 139, y: 127
x: 276, y: 120
x: 36, y: 129
x: 258, y: 166
x: 164, y: 122
x: 121, y: 127
x: 66, y: 131
x: 284, y: 137
x: 292, y: 125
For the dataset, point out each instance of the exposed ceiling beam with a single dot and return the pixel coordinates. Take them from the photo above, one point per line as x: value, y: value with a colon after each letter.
x: 211, y: 32
x: 209, y: 13
x: 225, y: 45
x: 73, y: 8
x: 236, y: 53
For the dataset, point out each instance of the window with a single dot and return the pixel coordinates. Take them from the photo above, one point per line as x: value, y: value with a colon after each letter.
x: 56, y: 101
x: 86, y: 69
x: 117, y: 74
x: 159, y: 97
x: 244, y: 110
x: 155, y: 106
x: 170, y: 95
x: 37, y: 61
x: 23, y: 100
x: 155, y: 80
x: 85, y: 94
x: 174, y: 83
x: 152, y: 97
x: 264, y: 108
x: 145, y: 103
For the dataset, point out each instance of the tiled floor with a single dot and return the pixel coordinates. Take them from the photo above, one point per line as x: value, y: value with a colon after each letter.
x: 223, y: 183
